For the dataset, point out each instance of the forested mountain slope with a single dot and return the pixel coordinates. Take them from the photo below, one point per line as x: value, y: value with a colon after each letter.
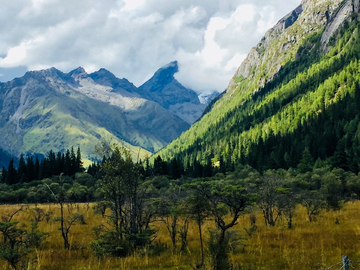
x: 297, y: 89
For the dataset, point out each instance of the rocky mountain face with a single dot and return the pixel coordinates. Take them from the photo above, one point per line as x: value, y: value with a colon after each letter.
x: 164, y: 89
x: 281, y: 43
x: 283, y: 91
x: 49, y: 109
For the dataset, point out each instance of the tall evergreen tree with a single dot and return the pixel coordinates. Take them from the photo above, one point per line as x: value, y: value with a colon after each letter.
x: 30, y: 169
x: 79, y: 163
x: 21, y: 172
x: 11, y: 177
x: 37, y: 168
x: 67, y: 164
x: 73, y: 166
x: 307, y: 162
x: 340, y: 159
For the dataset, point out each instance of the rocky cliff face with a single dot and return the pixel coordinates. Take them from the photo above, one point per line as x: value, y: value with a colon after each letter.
x: 343, y: 14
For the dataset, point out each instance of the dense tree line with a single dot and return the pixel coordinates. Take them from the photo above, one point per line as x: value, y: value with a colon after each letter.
x: 29, y: 169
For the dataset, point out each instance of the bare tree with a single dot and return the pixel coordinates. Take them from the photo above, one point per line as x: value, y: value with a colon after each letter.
x: 198, y: 209
x: 169, y: 210
x: 59, y: 195
x: 268, y: 198
x: 314, y: 202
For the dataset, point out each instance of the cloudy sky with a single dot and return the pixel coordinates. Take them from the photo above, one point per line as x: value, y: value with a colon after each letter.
x: 133, y: 38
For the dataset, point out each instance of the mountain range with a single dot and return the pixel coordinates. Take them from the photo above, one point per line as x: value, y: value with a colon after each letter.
x: 51, y: 110
x: 297, y: 89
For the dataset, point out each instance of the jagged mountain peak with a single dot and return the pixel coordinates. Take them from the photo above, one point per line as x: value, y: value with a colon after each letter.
x: 164, y: 89
x: 104, y: 72
x: 78, y: 73
x: 78, y: 70
x: 104, y: 75
x: 172, y: 67
x: 46, y: 75
x: 106, y: 78
x: 50, y: 72
x: 162, y: 77
x: 163, y: 80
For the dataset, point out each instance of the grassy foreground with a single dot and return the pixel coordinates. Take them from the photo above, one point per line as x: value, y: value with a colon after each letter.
x: 316, y: 245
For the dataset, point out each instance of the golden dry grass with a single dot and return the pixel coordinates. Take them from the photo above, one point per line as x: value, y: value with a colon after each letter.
x: 316, y: 245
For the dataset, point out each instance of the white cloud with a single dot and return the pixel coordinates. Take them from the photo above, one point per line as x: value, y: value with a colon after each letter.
x: 132, y: 4
x: 133, y: 38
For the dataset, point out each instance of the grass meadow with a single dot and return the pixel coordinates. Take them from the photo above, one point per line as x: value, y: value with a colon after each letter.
x: 308, y: 245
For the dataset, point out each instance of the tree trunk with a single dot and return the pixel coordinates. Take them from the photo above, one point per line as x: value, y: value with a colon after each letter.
x: 201, y: 245
x: 173, y: 233
x: 218, y: 251
x: 290, y: 222
x: 62, y: 226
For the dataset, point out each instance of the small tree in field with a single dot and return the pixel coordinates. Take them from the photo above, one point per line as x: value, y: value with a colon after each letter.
x: 127, y: 197
x: 198, y: 209
x: 169, y: 211
x: 269, y: 197
x: 13, y: 246
x: 287, y: 202
x: 224, y: 197
x: 314, y: 202
x: 59, y: 194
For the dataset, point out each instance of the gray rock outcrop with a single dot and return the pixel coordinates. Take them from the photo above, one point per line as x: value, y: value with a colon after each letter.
x: 343, y: 14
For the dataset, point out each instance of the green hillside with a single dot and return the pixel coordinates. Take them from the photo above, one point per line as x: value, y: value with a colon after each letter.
x: 312, y: 102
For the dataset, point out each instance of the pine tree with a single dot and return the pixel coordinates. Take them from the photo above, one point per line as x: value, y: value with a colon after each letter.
x: 307, y: 162
x: 11, y: 177
x: 67, y: 163
x: 30, y: 169
x: 73, y: 166
x: 79, y: 163
x: 22, y: 174
x: 340, y: 159
x: 37, y: 169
